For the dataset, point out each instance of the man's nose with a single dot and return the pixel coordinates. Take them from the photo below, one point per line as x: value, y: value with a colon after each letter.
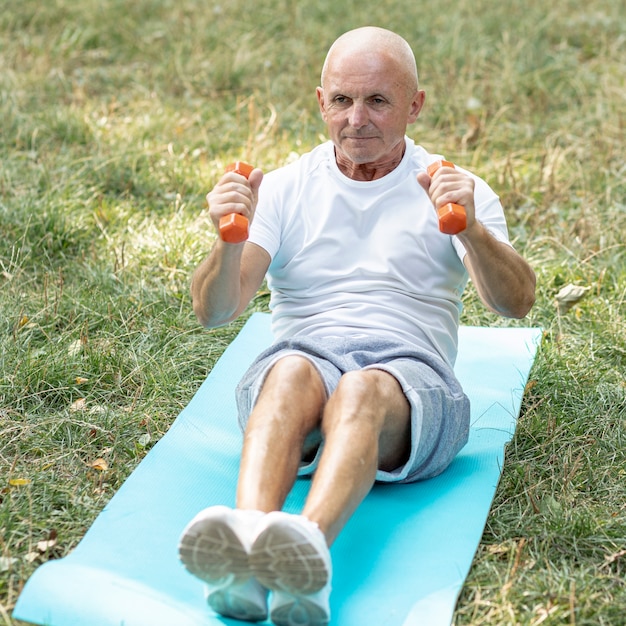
x: 358, y: 115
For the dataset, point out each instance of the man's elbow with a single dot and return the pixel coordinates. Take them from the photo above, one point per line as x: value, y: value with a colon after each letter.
x: 209, y: 318
x: 523, y: 307
x: 520, y: 306
x: 202, y: 315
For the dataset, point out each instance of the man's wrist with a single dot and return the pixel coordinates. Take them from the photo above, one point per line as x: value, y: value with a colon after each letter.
x: 473, y: 233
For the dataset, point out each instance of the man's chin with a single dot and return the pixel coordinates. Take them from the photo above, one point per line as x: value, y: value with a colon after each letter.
x: 359, y: 156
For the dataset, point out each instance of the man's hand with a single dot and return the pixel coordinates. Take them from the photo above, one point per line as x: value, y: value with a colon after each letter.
x: 234, y: 193
x: 450, y: 185
x: 504, y: 280
x: 225, y: 282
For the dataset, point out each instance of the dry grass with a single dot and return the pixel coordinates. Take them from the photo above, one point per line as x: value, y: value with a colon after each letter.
x: 116, y: 119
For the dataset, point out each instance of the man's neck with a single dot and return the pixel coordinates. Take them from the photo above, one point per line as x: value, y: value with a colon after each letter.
x: 369, y: 171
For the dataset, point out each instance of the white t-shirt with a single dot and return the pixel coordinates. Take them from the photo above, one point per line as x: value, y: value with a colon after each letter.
x: 364, y: 258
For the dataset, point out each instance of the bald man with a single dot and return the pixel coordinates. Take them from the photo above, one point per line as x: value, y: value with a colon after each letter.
x: 366, y: 291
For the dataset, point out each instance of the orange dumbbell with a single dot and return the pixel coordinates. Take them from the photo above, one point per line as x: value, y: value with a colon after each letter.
x: 452, y: 217
x: 234, y: 226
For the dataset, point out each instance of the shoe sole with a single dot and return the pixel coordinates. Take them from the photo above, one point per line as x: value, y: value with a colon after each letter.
x: 282, y: 558
x: 300, y: 612
x: 232, y: 605
x: 211, y: 550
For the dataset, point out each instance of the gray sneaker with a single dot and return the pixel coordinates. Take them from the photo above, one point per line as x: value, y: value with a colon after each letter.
x: 215, y: 544
x: 290, y: 554
x: 243, y: 601
x: 287, y: 609
x: 214, y: 547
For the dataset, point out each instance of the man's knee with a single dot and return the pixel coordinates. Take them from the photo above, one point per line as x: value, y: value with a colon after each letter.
x: 293, y: 390
x: 371, y: 388
x: 367, y: 396
x: 294, y: 371
x: 372, y: 403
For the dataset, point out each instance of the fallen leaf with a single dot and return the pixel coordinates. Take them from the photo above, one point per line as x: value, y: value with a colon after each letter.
x: 530, y: 385
x: 99, y: 464
x: 570, y: 295
x: 144, y: 440
x: 75, y: 347
x: 499, y: 549
x: 6, y: 562
x: 19, y: 482
x: 78, y: 405
x: 80, y: 380
x: 45, y: 544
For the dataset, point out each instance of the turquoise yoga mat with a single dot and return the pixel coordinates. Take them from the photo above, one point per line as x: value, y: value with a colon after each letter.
x: 401, y: 560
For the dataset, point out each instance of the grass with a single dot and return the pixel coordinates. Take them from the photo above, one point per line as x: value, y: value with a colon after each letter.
x: 118, y: 117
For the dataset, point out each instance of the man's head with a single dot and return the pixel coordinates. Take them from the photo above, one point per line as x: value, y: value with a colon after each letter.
x: 369, y: 94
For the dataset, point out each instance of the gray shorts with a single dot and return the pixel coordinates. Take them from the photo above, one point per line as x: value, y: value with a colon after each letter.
x: 440, y: 413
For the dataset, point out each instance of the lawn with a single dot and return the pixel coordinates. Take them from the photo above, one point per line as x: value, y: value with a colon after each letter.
x: 117, y: 118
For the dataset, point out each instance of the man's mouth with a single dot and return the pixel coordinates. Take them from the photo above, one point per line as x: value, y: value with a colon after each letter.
x: 359, y: 137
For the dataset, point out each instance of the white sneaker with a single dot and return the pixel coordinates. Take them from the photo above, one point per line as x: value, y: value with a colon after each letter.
x: 215, y: 544
x: 287, y: 609
x: 290, y: 554
x: 243, y: 601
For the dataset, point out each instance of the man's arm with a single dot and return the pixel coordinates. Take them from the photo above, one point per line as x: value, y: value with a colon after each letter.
x: 226, y: 281
x: 504, y: 280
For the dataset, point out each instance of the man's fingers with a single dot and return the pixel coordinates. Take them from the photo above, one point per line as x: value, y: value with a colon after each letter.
x: 424, y: 180
x: 255, y: 178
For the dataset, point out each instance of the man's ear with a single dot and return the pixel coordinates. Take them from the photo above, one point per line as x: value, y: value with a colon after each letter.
x: 416, y: 105
x: 320, y: 100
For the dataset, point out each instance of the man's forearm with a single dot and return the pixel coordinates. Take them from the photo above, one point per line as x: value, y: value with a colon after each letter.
x: 216, y: 285
x: 504, y: 280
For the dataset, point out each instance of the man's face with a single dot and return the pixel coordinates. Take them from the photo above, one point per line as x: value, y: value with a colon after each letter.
x: 367, y: 103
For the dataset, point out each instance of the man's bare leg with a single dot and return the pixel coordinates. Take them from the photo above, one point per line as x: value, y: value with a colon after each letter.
x: 366, y: 426
x: 289, y: 407
x: 216, y: 546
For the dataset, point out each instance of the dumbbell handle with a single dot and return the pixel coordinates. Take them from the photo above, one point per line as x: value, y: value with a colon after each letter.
x: 234, y: 226
x: 452, y: 217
